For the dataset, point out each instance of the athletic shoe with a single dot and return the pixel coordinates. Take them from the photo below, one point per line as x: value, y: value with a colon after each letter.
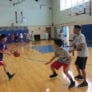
x: 84, y: 84
x: 72, y: 84
x: 53, y: 76
x: 78, y: 77
x: 11, y: 76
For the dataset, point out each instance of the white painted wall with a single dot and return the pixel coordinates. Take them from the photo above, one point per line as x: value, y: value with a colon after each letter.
x: 36, y: 13
x: 41, y: 30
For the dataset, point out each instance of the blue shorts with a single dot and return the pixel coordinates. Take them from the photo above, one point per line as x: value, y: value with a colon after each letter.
x: 81, y: 62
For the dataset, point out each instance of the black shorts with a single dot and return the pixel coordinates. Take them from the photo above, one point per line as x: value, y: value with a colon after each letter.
x: 81, y: 62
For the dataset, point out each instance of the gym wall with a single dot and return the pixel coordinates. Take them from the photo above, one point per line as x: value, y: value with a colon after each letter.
x: 34, y: 12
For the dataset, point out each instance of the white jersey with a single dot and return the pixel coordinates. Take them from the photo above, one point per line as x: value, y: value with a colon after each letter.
x: 28, y: 36
x: 78, y: 40
x: 21, y: 35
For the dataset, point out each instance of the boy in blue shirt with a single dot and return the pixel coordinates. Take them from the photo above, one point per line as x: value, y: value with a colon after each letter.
x: 3, y: 48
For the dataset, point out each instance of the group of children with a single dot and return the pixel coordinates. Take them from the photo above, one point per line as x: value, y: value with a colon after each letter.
x: 29, y: 36
x: 64, y: 57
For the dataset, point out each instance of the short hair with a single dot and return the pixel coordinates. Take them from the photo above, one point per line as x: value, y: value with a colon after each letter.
x: 77, y: 26
x: 2, y: 36
x: 58, y: 42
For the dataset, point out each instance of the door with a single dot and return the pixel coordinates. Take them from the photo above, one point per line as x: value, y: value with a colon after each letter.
x: 48, y: 30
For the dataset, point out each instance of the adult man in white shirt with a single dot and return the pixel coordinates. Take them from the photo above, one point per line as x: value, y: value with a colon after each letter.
x: 82, y: 50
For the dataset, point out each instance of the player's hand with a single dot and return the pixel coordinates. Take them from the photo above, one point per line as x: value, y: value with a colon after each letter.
x: 10, y: 50
x: 8, y: 53
x: 47, y: 63
x: 71, y: 51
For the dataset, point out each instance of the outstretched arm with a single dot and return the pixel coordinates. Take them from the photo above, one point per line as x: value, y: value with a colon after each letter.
x: 50, y: 60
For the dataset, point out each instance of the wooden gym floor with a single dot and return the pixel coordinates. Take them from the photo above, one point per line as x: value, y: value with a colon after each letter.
x: 32, y: 74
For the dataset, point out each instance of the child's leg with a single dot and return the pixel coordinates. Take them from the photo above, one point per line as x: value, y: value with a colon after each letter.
x: 5, y: 68
x: 68, y: 75
x: 54, y: 66
x: 53, y: 70
x: 65, y: 69
x: 10, y: 76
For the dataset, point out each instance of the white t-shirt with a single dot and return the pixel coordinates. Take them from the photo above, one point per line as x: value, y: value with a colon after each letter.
x: 21, y: 35
x: 28, y: 36
x: 78, y: 40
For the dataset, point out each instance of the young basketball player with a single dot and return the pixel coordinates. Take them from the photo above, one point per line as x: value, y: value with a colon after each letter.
x: 3, y: 48
x: 64, y: 59
x: 82, y: 49
x: 21, y: 37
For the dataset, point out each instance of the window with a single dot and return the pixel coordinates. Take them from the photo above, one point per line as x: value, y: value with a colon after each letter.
x: 66, y: 4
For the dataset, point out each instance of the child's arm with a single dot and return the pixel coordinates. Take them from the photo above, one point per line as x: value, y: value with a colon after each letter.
x: 50, y: 60
x: 10, y: 50
x: 70, y: 59
x: 5, y: 52
x: 71, y: 51
x: 80, y: 46
x: 2, y: 51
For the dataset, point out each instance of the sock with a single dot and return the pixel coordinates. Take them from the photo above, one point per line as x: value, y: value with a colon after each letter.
x: 71, y: 80
x: 54, y: 73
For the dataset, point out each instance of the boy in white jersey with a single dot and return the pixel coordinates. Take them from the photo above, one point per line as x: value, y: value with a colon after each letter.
x: 80, y: 43
x: 64, y: 60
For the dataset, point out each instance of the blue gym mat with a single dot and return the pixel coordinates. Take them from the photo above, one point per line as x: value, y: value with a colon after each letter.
x: 89, y: 44
x: 44, y: 49
x: 50, y: 48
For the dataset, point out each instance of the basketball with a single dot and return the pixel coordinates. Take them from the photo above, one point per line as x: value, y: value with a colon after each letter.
x: 16, y: 54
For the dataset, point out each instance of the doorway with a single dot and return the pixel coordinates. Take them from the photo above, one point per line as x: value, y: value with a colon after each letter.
x: 48, y: 30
